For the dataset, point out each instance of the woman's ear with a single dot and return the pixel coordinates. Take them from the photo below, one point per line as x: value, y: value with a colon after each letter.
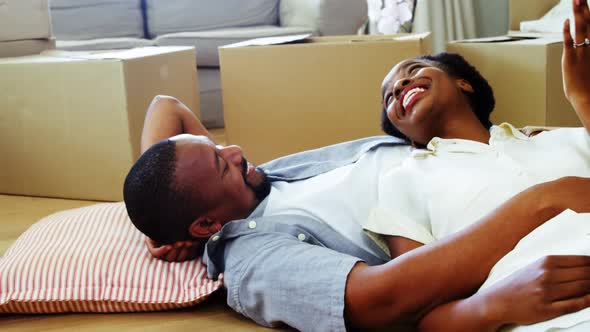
x: 465, y: 86
x: 204, y: 227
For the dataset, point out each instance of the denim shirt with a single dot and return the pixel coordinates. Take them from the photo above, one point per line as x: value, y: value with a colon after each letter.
x: 292, y: 269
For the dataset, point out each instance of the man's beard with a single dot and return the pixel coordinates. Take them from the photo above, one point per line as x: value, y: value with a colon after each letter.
x: 260, y: 190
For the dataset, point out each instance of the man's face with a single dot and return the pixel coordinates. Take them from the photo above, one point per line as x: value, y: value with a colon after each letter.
x: 418, y: 97
x: 219, y: 178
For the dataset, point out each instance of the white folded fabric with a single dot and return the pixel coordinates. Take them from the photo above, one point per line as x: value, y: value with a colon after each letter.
x: 552, y: 21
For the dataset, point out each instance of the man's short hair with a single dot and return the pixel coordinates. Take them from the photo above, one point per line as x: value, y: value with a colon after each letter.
x: 482, y: 100
x: 157, y: 205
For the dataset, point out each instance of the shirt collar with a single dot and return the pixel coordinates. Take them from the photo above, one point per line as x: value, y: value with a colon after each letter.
x: 503, y: 132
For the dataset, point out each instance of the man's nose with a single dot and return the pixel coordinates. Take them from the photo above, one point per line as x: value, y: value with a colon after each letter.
x: 232, y: 153
x: 400, y: 85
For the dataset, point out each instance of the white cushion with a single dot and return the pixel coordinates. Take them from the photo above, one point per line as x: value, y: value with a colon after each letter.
x: 207, y: 42
x: 103, y: 44
x: 87, y: 19
x: 170, y: 16
x: 325, y: 17
x: 20, y: 19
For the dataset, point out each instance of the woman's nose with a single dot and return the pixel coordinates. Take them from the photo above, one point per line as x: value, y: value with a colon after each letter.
x: 400, y: 85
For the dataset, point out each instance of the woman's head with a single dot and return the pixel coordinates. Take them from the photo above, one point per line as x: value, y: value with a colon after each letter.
x: 421, y: 96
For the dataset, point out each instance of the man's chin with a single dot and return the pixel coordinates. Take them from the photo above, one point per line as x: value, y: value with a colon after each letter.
x: 258, y: 182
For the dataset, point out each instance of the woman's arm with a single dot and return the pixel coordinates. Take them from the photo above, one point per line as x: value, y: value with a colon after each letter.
x: 576, y: 63
x: 453, y: 268
x: 167, y: 117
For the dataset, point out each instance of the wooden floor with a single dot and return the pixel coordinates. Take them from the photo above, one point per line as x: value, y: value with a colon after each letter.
x: 18, y: 213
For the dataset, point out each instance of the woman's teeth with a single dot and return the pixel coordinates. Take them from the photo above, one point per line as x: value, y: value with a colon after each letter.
x: 408, y: 97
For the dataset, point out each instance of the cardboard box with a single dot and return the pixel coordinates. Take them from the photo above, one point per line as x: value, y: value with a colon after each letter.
x: 288, y: 94
x: 525, y: 73
x: 70, y: 123
x: 25, y: 47
x: 24, y: 19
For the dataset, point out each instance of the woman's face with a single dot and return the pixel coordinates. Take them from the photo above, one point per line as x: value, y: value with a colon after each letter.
x: 419, y: 97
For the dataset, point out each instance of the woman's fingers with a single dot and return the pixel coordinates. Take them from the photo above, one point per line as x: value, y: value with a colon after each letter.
x: 581, y: 23
x: 571, y: 274
x: 566, y: 261
x: 568, y: 41
x: 569, y: 290
x: 559, y: 308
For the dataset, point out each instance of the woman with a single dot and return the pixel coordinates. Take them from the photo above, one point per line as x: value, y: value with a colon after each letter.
x: 461, y: 170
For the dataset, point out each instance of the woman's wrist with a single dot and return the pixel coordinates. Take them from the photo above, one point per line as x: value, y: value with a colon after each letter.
x: 491, y: 312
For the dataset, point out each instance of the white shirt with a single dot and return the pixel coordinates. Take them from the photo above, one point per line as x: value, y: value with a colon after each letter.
x: 341, y: 198
x: 439, y: 191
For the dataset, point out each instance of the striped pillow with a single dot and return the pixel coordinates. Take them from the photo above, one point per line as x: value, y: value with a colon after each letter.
x: 93, y: 259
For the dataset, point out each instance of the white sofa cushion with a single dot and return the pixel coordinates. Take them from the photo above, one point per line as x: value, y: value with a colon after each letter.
x: 103, y: 44
x: 170, y: 16
x: 325, y: 17
x: 207, y: 42
x: 88, y: 19
x: 21, y: 19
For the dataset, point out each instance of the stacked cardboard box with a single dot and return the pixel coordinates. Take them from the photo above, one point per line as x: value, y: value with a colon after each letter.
x: 70, y: 123
x: 288, y: 94
x: 25, y: 27
x: 524, y: 69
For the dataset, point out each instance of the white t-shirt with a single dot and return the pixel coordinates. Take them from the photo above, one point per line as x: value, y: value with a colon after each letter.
x: 453, y: 183
x: 341, y: 198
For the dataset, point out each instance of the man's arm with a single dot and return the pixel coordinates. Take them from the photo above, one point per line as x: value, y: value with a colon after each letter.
x: 420, y: 280
x: 167, y: 117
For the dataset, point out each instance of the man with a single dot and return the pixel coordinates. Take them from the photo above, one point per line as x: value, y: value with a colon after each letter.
x: 289, y: 268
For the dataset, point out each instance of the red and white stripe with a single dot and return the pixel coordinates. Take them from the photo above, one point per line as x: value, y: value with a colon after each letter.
x: 93, y: 259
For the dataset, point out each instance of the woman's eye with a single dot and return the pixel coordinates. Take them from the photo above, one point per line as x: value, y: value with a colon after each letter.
x: 389, y: 99
x: 413, y: 69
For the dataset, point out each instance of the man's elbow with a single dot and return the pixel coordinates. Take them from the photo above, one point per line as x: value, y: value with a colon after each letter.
x: 163, y: 100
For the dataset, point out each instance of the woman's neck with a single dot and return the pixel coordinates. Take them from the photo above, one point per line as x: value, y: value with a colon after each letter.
x: 467, y: 127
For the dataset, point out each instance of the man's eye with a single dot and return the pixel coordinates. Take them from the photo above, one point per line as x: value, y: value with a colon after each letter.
x: 226, y: 168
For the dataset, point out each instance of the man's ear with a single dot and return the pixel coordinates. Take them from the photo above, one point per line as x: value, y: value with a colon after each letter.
x: 204, y: 227
x: 465, y: 86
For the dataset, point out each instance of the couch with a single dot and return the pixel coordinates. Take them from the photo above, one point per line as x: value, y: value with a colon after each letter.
x: 81, y: 25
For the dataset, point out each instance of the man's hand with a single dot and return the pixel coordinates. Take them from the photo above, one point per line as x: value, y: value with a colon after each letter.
x: 177, y: 252
x: 576, y: 62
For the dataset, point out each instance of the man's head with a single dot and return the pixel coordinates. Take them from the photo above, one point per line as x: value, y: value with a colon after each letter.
x: 186, y: 187
x: 441, y: 83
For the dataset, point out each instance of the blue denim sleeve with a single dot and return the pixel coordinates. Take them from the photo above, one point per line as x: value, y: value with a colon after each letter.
x: 277, y: 278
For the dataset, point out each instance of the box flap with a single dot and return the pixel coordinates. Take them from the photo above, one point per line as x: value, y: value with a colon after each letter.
x: 133, y: 53
x: 266, y: 41
x: 516, y: 37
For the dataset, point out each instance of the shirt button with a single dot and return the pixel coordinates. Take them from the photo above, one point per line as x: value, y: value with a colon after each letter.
x: 301, y: 237
x: 215, y: 238
x: 252, y: 224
